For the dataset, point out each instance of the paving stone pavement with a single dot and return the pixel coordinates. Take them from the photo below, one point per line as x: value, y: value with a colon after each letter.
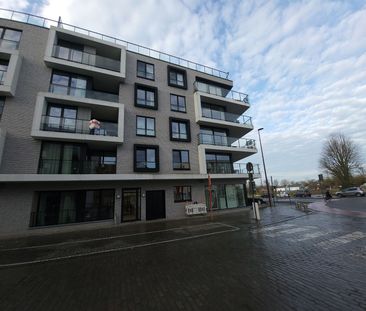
x: 289, y: 261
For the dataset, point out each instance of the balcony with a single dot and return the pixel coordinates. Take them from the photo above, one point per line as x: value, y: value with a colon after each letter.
x: 104, y: 61
x: 9, y: 73
x: 50, y: 166
x: 71, y: 118
x: 83, y: 93
x: 230, y: 168
x: 79, y: 126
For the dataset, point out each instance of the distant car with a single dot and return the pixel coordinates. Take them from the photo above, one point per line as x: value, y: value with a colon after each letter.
x: 302, y: 194
x: 350, y: 192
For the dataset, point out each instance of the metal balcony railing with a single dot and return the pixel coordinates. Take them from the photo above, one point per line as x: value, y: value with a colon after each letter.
x: 52, y: 166
x: 219, y: 91
x: 86, y: 58
x: 79, y: 126
x: 136, y: 48
x: 224, y: 167
x: 83, y: 93
x: 226, y: 141
x: 227, y: 116
x: 9, y: 44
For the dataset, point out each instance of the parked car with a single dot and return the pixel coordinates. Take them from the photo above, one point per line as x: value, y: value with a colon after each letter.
x: 303, y: 194
x: 350, y: 192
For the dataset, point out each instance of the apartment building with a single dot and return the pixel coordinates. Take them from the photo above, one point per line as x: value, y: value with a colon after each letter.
x: 97, y: 131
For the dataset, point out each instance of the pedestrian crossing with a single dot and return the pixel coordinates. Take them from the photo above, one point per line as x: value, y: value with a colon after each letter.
x: 292, y: 233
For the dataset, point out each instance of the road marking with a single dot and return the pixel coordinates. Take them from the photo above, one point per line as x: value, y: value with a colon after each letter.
x: 112, y: 250
x: 290, y: 231
x: 272, y: 228
x: 310, y: 236
x: 344, y: 239
x: 215, y: 224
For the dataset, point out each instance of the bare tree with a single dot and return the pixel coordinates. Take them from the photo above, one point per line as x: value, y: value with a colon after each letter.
x: 340, y: 157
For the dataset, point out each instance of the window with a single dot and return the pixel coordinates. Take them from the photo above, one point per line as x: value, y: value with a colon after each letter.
x: 9, y: 38
x: 177, y: 103
x: 181, y: 160
x: 146, y: 158
x: 145, y: 126
x: 182, y: 193
x: 146, y: 96
x: 62, y: 207
x: 3, y: 69
x: 180, y: 130
x: 69, y: 84
x: 145, y: 70
x: 211, y: 136
x: 2, y: 104
x: 219, y: 163
x: 60, y: 118
x: 217, y: 112
x: 177, y: 77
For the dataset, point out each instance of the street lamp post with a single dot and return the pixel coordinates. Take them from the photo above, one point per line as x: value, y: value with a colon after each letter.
x: 264, y: 168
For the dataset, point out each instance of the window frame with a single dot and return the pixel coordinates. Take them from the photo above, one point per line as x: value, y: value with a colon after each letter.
x: 182, y: 199
x: 188, y: 129
x: 177, y: 71
x: 145, y: 135
x: 181, y: 162
x: 2, y: 34
x: 178, y: 96
x: 145, y: 87
x: 145, y: 148
x: 143, y: 76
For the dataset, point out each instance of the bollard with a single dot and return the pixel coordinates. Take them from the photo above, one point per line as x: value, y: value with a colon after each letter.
x: 258, y: 216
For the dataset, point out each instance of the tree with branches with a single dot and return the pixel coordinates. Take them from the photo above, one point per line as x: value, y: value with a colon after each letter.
x: 340, y: 158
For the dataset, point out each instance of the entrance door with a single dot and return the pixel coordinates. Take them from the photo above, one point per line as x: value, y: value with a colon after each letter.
x: 155, y: 204
x: 130, y: 204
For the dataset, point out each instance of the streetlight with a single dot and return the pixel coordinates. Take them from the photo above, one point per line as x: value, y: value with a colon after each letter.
x: 264, y: 167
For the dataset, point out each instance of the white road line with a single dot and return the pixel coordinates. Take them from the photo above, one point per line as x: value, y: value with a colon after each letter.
x: 309, y: 236
x: 215, y: 224
x: 272, y: 228
x: 16, y: 264
x: 290, y: 231
x: 344, y: 239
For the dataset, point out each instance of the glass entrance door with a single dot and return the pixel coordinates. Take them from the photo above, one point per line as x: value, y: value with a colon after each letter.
x: 130, y: 204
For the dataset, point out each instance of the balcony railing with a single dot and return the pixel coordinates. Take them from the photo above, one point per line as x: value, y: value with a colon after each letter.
x: 51, y: 166
x: 83, y: 93
x: 79, y: 126
x: 47, y: 23
x: 9, y: 44
x: 219, y: 91
x: 224, y: 167
x: 2, y: 76
x: 226, y: 141
x: 85, y: 58
x: 227, y: 116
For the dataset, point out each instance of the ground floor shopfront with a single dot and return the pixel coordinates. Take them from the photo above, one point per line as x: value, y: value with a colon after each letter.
x: 55, y: 206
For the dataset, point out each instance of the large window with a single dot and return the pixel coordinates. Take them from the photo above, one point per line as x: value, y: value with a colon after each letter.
x: 145, y: 126
x: 2, y: 104
x: 146, y: 158
x: 180, y: 130
x: 177, y: 77
x: 145, y: 70
x: 146, y: 96
x: 69, y: 84
x: 218, y: 163
x: 3, y: 69
x: 182, y: 193
x: 211, y: 136
x: 60, y: 118
x: 9, y: 38
x: 62, y: 207
x: 225, y: 196
x: 69, y: 158
x: 181, y: 160
x: 215, y: 112
x: 177, y: 103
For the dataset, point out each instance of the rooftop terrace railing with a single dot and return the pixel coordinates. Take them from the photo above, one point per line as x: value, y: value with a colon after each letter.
x: 47, y: 23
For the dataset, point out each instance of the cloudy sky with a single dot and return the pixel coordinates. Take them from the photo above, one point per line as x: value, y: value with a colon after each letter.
x: 303, y: 63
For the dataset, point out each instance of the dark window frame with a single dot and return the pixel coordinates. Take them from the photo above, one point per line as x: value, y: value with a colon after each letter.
x: 178, y: 96
x: 180, y: 157
x: 182, y: 199
x: 179, y: 71
x: 145, y: 147
x: 142, y: 74
x: 145, y: 135
x: 2, y: 33
x: 188, y: 129
x: 147, y: 88
x: 2, y: 105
